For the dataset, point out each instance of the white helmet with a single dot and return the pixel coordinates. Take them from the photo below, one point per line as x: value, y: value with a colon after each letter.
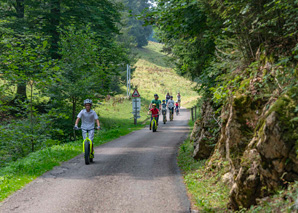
x: 88, y: 101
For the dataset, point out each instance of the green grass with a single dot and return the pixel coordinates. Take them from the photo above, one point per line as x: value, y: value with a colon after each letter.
x: 114, y: 114
x: 17, y: 174
x: 154, y: 75
x: 207, y: 192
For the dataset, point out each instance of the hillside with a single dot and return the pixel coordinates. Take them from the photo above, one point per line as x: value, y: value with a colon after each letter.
x: 154, y: 74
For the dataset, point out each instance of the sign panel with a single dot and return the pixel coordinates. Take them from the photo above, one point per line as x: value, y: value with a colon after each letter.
x: 135, y: 94
x: 136, y: 104
x: 136, y: 107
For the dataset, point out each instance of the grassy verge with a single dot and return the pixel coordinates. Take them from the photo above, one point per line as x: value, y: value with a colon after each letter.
x: 206, y: 190
x: 17, y: 174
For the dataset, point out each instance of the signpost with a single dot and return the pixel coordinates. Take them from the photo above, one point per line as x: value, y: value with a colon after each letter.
x: 136, y: 105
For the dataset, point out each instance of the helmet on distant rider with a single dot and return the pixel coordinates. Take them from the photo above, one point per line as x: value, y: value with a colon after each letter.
x: 155, y: 95
x: 153, y: 104
x: 171, y: 96
x: 87, y: 101
x: 163, y: 100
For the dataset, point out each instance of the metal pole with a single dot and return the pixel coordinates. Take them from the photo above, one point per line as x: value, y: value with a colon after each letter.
x: 127, y: 80
x: 135, y: 110
x: 192, y: 113
x: 129, y: 71
x: 135, y: 119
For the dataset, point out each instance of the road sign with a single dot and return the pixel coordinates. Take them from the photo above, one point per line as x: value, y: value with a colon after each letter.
x: 136, y: 104
x: 135, y: 94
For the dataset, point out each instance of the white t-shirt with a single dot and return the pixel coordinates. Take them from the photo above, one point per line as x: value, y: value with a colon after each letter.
x: 171, y: 103
x: 88, y: 119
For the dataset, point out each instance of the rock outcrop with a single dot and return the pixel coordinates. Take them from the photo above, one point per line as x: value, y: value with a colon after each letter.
x: 270, y: 159
x: 259, y: 138
x: 205, y: 132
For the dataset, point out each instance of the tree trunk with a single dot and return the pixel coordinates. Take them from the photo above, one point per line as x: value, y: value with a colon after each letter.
x: 54, y: 24
x: 21, y: 92
x: 74, y: 104
x: 21, y: 86
x: 20, y: 8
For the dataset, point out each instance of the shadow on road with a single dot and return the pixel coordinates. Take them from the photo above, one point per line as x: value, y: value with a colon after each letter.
x: 141, y: 155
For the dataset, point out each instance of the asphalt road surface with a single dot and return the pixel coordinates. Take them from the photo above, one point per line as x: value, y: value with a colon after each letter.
x: 135, y: 173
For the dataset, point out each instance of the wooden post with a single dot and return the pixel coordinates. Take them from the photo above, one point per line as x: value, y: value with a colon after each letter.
x: 135, y: 117
x: 195, y: 112
x: 192, y: 113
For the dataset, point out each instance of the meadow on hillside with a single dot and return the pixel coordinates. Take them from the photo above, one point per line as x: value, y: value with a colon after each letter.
x: 154, y: 74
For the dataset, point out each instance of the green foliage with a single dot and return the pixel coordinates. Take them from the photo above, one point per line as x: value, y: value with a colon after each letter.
x: 26, y: 61
x: 54, y: 54
x: 183, y: 27
x: 283, y: 201
x: 137, y: 30
x: 211, y: 41
x: 17, y: 137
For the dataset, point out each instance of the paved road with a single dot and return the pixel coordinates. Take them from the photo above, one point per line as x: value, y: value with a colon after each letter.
x: 135, y: 173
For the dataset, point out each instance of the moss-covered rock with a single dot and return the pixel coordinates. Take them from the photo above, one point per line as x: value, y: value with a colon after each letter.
x: 205, y: 133
x: 270, y: 159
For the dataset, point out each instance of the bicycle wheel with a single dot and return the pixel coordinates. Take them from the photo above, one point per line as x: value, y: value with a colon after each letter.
x: 87, y: 152
x: 153, y: 127
x: 91, y: 155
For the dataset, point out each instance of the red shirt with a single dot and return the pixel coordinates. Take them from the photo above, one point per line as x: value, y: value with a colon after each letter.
x: 154, y: 112
x: 177, y: 105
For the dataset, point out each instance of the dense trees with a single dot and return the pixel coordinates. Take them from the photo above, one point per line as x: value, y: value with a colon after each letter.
x: 49, y: 18
x: 137, y: 30
x: 209, y: 39
x: 54, y: 54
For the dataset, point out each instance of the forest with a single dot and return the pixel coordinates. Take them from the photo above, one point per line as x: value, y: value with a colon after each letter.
x: 53, y: 55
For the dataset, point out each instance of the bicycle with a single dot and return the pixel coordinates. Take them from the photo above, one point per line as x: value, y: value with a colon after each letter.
x: 164, y: 113
x: 87, y: 147
x: 153, y: 124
